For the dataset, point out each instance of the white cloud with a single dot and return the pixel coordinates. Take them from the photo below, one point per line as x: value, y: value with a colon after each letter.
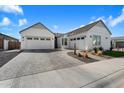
x: 5, y: 22
x: 9, y: 34
x: 114, y: 21
x: 22, y: 22
x: 110, y: 20
x: 82, y: 25
x: 11, y: 9
x: 91, y: 21
x: 93, y: 17
x: 74, y: 28
x: 77, y: 27
x: 55, y: 27
x: 99, y: 18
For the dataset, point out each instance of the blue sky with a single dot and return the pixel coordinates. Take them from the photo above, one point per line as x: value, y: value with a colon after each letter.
x: 60, y: 19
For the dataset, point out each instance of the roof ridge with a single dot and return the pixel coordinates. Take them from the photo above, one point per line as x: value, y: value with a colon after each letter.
x: 91, y: 24
x: 36, y: 24
x: 29, y: 26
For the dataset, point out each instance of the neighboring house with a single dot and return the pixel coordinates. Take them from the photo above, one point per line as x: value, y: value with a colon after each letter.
x: 85, y: 38
x: 40, y: 37
x: 37, y: 36
x: 6, y: 40
x: 118, y: 42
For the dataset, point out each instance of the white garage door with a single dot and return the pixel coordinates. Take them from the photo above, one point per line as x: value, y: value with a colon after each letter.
x: 79, y: 43
x: 38, y: 43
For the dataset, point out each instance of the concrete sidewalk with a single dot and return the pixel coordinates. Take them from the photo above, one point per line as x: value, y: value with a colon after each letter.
x: 107, y: 73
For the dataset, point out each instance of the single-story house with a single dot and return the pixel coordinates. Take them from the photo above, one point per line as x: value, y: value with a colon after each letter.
x: 37, y: 36
x: 85, y: 38
x: 92, y: 35
x: 7, y: 41
x: 118, y: 42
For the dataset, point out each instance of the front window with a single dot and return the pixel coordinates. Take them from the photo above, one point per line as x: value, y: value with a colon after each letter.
x: 47, y: 38
x: 36, y: 38
x: 78, y: 38
x: 82, y: 37
x: 29, y: 38
x: 64, y: 41
x: 42, y: 38
x: 96, y: 40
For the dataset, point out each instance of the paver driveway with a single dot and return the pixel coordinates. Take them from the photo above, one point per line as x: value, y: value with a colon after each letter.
x: 57, y: 69
x: 28, y: 63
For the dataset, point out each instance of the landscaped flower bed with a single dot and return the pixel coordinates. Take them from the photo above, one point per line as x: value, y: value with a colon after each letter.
x: 87, y: 59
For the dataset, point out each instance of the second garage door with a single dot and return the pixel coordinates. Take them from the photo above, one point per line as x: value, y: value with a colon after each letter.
x: 120, y: 44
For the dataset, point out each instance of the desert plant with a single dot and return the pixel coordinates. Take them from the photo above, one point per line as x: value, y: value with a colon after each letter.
x: 85, y: 54
x: 99, y: 53
x: 79, y: 55
x: 101, y: 48
x: 95, y: 49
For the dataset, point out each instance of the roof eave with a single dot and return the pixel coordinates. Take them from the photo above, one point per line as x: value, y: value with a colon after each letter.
x: 34, y: 25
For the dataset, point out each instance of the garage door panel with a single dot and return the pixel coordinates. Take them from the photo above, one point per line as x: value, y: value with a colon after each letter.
x: 120, y: 44
x: 37, y: 44
x: 79, y: 44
